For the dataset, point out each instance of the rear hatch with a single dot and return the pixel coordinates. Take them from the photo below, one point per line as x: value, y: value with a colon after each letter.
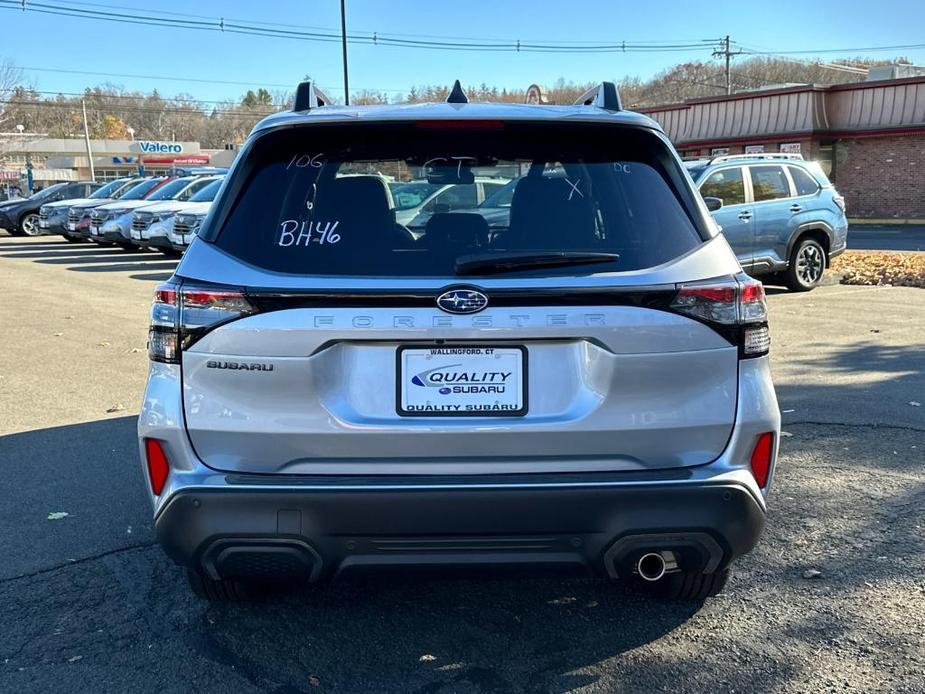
x: 320, y: 337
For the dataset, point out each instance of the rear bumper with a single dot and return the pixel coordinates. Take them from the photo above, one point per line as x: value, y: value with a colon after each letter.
x: 601, y: 523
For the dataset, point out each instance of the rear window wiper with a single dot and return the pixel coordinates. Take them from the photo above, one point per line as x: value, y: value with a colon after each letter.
x: 503, y: 262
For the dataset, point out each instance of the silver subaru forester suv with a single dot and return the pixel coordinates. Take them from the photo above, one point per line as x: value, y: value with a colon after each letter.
x: 580, y: 380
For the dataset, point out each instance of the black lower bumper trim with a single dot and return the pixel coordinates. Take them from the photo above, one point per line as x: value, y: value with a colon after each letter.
x: 327, y: 531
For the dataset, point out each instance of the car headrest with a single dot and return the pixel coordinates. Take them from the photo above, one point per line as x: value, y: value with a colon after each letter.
x: 355, y: 201
x: 456, y: 231
x: 552, y: 213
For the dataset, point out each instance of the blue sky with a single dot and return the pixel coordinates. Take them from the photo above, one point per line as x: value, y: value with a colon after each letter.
x: 35, y: 40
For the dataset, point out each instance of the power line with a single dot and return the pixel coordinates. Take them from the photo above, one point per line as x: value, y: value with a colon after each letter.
x: 166, y: 110
x: 824, y: 51
x: 201, y: 80
x: 175, y: 20
x: 289, y: 25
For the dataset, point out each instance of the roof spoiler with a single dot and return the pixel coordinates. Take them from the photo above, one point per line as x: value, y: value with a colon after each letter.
x: 605, y: 95
x: 308, y: 97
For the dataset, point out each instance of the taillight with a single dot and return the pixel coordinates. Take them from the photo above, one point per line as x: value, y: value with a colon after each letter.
x: 158, y: 467
x: 840, y: 201
x: 736, y: 308
x: 761, y: 458
x: 180, y: 315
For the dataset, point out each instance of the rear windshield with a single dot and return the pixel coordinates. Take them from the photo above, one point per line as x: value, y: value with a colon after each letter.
x: 411, y: 201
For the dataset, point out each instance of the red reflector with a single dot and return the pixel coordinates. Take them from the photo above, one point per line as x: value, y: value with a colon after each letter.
x: 761, y: 458
x: 723, y: 294
x: 158, y: 468
x: 165, y: 294
x: 752, y: 292
x: 459, y: 124
x: 204, y: 299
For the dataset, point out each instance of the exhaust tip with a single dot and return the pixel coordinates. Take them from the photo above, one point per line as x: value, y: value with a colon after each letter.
x: 651, y: 566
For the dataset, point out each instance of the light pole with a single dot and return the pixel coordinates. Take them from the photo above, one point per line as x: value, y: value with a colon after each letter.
x: 22, y: 143
x: 131, y: 133
x: 343, y: 41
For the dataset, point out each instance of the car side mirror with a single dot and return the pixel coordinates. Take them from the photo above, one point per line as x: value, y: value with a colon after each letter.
x: 713, y: 204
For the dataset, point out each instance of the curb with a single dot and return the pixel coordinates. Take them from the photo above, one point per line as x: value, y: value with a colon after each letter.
x: 885, y: 221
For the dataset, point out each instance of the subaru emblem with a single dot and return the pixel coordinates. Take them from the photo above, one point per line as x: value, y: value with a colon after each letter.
x: 462, y: 301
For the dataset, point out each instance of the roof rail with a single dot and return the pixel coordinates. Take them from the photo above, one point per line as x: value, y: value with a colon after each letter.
x: 308, y: 97
x: 757, y: 155
x: 457, y: 95
x: 605, y: 95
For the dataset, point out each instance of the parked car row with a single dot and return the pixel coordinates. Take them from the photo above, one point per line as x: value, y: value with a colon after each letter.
x: 136, y: 212
x: 780, y: 214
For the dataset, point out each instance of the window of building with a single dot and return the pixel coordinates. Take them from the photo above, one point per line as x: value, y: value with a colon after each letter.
x: 726, y: 184
x: 826, y: 158
x: 769, y: 183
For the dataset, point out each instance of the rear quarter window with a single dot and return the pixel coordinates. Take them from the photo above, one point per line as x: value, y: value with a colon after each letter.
x: 327, y: 199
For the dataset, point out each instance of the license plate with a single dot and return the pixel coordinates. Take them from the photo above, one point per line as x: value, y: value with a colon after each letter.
x: 136, y: 234
x: 43, y: 224
x: 72, y: 226
x: 94, y: 230
x: 462, y: 381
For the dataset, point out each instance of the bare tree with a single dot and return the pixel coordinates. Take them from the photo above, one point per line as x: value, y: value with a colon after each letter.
x: 10, y: 77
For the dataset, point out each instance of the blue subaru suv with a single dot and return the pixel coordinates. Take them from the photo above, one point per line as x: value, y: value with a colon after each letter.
x: 781, y: 214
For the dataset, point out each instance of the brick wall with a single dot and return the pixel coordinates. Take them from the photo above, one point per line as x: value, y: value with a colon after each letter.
x: 882, y: 176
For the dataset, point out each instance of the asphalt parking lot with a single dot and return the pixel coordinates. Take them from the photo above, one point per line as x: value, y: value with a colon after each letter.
x: 88, y: 603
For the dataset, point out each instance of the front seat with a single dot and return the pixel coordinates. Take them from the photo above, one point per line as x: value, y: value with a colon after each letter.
x: 551, y: 213
x: 362, y: 208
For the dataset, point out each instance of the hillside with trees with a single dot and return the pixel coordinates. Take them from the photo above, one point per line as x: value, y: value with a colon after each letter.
x: 112, y: 111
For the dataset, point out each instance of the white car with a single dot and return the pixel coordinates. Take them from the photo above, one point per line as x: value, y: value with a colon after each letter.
x: 180, y: 228
x: 149, y: 222
x: 416, y: 201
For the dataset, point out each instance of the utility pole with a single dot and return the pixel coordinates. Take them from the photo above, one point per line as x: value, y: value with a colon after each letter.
x: 83, y: 106
x: 727, y: 53
x: 343, y: 40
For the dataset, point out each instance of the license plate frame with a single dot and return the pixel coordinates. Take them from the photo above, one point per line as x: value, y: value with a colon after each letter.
x: 401, y: 380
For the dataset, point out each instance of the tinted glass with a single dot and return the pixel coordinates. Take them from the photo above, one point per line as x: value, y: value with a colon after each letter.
x: 48, y: 192
x: 107, y: 190
x: 726, y: 184
x: 193, y: 188
x: 804, y: 183
x: 142, y: 189
x: 168, y: 191
x: 127, y: 187
x: 317, y: 200
x: 769, y: 183
x: 458, y: 197
x: 501, y: 198
x: 407, y: 196
x: 208, y: 193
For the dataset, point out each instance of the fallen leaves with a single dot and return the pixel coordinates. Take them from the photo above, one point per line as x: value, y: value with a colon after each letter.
x: 872, y: 268
x: 118, y: 407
